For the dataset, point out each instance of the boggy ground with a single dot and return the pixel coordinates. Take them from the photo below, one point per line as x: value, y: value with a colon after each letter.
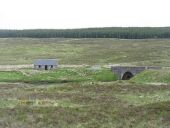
x: 83, y: 96
x: 88, y: 51
x: 88, y: 102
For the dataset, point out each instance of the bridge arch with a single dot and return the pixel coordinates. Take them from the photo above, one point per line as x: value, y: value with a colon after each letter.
x: 127, y: 75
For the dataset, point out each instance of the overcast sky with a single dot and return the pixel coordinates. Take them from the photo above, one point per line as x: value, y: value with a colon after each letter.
x: 56, y: 14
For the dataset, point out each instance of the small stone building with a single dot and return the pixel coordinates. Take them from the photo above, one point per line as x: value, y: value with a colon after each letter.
x: 45, y: 64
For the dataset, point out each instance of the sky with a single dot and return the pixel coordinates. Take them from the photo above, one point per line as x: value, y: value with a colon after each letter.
x: 66, y: 14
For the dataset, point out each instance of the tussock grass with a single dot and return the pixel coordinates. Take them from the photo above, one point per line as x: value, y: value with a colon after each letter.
x: 87, y: 97
x: 153, y: 76
x: 153, y: 115
x: 86, y: 51
x: 98, y: 104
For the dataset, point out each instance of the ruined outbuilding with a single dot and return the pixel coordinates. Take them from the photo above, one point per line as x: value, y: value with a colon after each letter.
x: 45, y: 64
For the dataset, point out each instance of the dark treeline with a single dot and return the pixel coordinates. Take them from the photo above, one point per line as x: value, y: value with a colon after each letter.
x: 111, y: 32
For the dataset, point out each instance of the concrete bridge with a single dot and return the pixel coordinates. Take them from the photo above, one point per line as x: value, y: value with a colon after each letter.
x: 127, y: 72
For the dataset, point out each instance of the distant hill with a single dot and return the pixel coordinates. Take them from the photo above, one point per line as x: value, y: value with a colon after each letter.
x: 107, y: 32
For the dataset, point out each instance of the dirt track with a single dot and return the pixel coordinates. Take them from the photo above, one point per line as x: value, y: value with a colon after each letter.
x: 17, y: 67
x: 14, y: 67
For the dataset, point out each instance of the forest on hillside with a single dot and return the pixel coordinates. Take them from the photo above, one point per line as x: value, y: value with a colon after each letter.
x: 108, y: 32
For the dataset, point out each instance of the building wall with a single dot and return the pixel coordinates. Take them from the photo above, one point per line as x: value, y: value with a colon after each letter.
x: 43, y: 67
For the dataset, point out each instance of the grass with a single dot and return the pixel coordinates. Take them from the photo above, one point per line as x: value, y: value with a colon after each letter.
x: 61, y: 75
x: 84, y: 97
x: 154, y: 52
x: 11, y: 76
x: 153, y: 76
x: 98, y: 104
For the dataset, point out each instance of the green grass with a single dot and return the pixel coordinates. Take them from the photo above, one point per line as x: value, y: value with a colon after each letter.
x: 61, y: 75
x: 86, y: 97
x: 10, y: 76
x: 86, y: 51
x: 98, y: 104
x: 153, y: 76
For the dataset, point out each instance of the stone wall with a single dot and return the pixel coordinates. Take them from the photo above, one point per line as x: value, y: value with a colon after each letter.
x: 43, y: 67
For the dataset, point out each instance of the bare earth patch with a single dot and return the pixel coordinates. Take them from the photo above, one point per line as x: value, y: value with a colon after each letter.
x: 14, y: 67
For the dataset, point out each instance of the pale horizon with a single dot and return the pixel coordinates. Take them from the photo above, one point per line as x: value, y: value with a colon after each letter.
x: 76, y: 14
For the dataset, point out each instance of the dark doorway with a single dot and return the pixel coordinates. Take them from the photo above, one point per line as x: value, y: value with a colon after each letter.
x: 46, y: 67
x: 127, y: 76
